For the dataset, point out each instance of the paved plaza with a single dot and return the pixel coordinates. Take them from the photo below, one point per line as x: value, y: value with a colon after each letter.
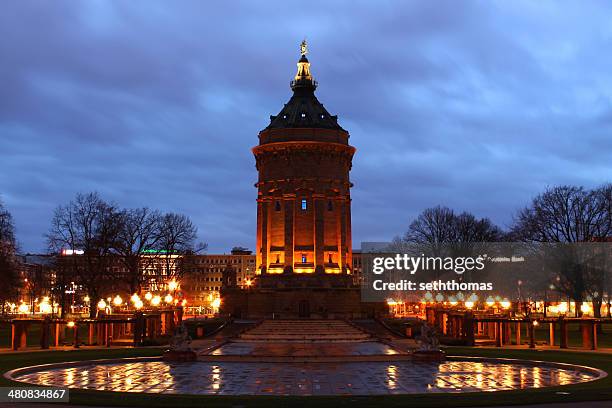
x: 371, y: 378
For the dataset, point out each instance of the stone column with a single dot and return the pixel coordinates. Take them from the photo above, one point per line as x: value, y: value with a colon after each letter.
x: 338, y: 215
x: 506, y: 332
x: 498, y: 334
x: 45, y: 332
x: 343, y: 232
x: 289, y: 208
x: 349, y: 234
x: 551, y: 334
x: 468, y: 328
x: 91, y: 329
x: 319, y: 237
x: 589, y: 334
x: 76, y: 335
x: 261, y: 242
x: 138, y: 329
x: 19, y: 334
x: 563, y: 334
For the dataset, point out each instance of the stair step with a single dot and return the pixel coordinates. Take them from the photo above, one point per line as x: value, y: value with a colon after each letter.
x: 304, y: 330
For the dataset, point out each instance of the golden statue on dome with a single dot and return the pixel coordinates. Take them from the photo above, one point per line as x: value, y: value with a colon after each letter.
x: 304, y: 47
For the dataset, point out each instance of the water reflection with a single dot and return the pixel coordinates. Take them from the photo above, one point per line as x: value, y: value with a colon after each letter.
x: 364, y: 378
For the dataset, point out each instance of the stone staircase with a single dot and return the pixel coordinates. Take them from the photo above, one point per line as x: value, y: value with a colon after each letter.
x: 308, y: 331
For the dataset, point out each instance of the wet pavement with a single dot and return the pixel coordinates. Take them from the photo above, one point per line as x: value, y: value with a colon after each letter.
x: 303, y: 349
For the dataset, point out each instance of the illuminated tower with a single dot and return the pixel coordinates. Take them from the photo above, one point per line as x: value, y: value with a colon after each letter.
x: 304, y: 203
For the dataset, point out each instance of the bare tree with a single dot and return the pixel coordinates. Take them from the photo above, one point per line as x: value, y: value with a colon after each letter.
x: 89, y: 224
x: 139, y: 235
x: 570, y: 214
x: 433, y: 227
x: 440, y: 226
x: 9, y: 272
x: 177, y: 236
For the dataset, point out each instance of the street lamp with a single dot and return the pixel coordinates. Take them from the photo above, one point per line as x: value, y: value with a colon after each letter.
x: 117, y: 301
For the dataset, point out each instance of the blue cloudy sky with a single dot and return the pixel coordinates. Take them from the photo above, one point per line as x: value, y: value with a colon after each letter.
x: 473, y: 105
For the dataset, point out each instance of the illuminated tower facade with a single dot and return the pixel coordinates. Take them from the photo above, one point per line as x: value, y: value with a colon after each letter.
x: 304, y: 202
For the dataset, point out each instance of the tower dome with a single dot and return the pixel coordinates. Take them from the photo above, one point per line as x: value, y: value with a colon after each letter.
x: 304, y: 109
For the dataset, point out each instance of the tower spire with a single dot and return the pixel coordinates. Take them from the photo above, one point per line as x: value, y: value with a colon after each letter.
x: 303, y: 79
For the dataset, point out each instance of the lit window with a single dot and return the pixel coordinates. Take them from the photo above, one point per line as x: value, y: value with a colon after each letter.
x: 304, y: 258
x: 304, y: 204
x: 303, y: 115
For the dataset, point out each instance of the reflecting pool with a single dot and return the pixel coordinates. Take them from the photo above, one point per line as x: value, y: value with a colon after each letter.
x: 362, y: 378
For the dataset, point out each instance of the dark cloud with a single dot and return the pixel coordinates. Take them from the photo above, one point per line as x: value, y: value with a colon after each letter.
x: 477, y: 106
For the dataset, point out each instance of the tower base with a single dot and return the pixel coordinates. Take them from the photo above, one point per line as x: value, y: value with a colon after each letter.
x: 292, y: 303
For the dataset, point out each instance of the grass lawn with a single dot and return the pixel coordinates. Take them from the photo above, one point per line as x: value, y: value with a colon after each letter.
x: 597, y: 390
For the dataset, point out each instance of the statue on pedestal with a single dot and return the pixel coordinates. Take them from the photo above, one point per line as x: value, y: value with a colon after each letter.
x: 429, y: 345
x: 180, y: 346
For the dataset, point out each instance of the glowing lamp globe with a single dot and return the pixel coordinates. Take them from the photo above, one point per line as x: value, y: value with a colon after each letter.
x: 45, y: 307
x: 585, y: 308
x: 23, y: 308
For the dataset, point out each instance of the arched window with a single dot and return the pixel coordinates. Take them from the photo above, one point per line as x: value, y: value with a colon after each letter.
x: 277, y: 206
x: 304, y: 204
